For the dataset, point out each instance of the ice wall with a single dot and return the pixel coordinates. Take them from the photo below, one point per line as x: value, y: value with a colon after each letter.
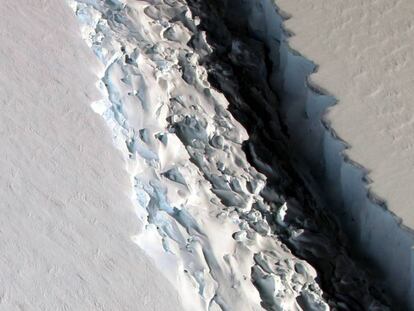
x: 376, y: 233
x: 205, y: 222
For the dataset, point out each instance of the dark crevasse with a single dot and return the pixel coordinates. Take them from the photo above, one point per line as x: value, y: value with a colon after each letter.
x: 241, y: 66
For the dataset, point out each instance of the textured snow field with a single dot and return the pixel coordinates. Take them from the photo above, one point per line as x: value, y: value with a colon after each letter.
x: 365, y: 53
x: 66, y: 219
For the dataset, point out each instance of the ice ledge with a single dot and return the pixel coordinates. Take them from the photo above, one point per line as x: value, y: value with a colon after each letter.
x: 374, y: 230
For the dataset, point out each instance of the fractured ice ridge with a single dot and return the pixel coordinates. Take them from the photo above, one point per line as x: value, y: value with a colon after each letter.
x: 212, y: 224
x: 236, y: 31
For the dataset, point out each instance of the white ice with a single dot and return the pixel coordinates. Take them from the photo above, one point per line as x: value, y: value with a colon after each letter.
x: 189, y: 174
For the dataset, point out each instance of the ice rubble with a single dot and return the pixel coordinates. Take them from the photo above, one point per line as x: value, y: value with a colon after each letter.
x: 208, y: 225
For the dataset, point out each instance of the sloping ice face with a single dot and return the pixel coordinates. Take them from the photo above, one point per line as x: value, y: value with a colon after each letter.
x: 211, y: 222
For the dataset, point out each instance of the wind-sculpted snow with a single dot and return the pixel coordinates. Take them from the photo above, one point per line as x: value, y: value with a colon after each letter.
x: 211, y: 224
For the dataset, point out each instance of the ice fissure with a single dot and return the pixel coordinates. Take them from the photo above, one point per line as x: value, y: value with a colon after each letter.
x: 187, y: 96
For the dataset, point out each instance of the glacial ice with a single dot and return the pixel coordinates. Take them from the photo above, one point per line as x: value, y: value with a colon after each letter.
x: 211, y: 223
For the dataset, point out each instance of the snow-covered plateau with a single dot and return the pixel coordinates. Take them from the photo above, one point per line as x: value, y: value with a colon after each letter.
x: 171, y: 155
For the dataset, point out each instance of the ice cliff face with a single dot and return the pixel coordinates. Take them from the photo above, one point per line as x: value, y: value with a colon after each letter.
x: 315, y: 149
x: 229, y: 229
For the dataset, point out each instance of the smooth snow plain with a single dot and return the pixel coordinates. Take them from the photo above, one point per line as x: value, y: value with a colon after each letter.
x: 66, y: 218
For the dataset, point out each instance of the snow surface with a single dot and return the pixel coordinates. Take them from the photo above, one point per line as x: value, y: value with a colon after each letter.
x: 77, y: 212
x: 365, y: 57
x: 66, y: 219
